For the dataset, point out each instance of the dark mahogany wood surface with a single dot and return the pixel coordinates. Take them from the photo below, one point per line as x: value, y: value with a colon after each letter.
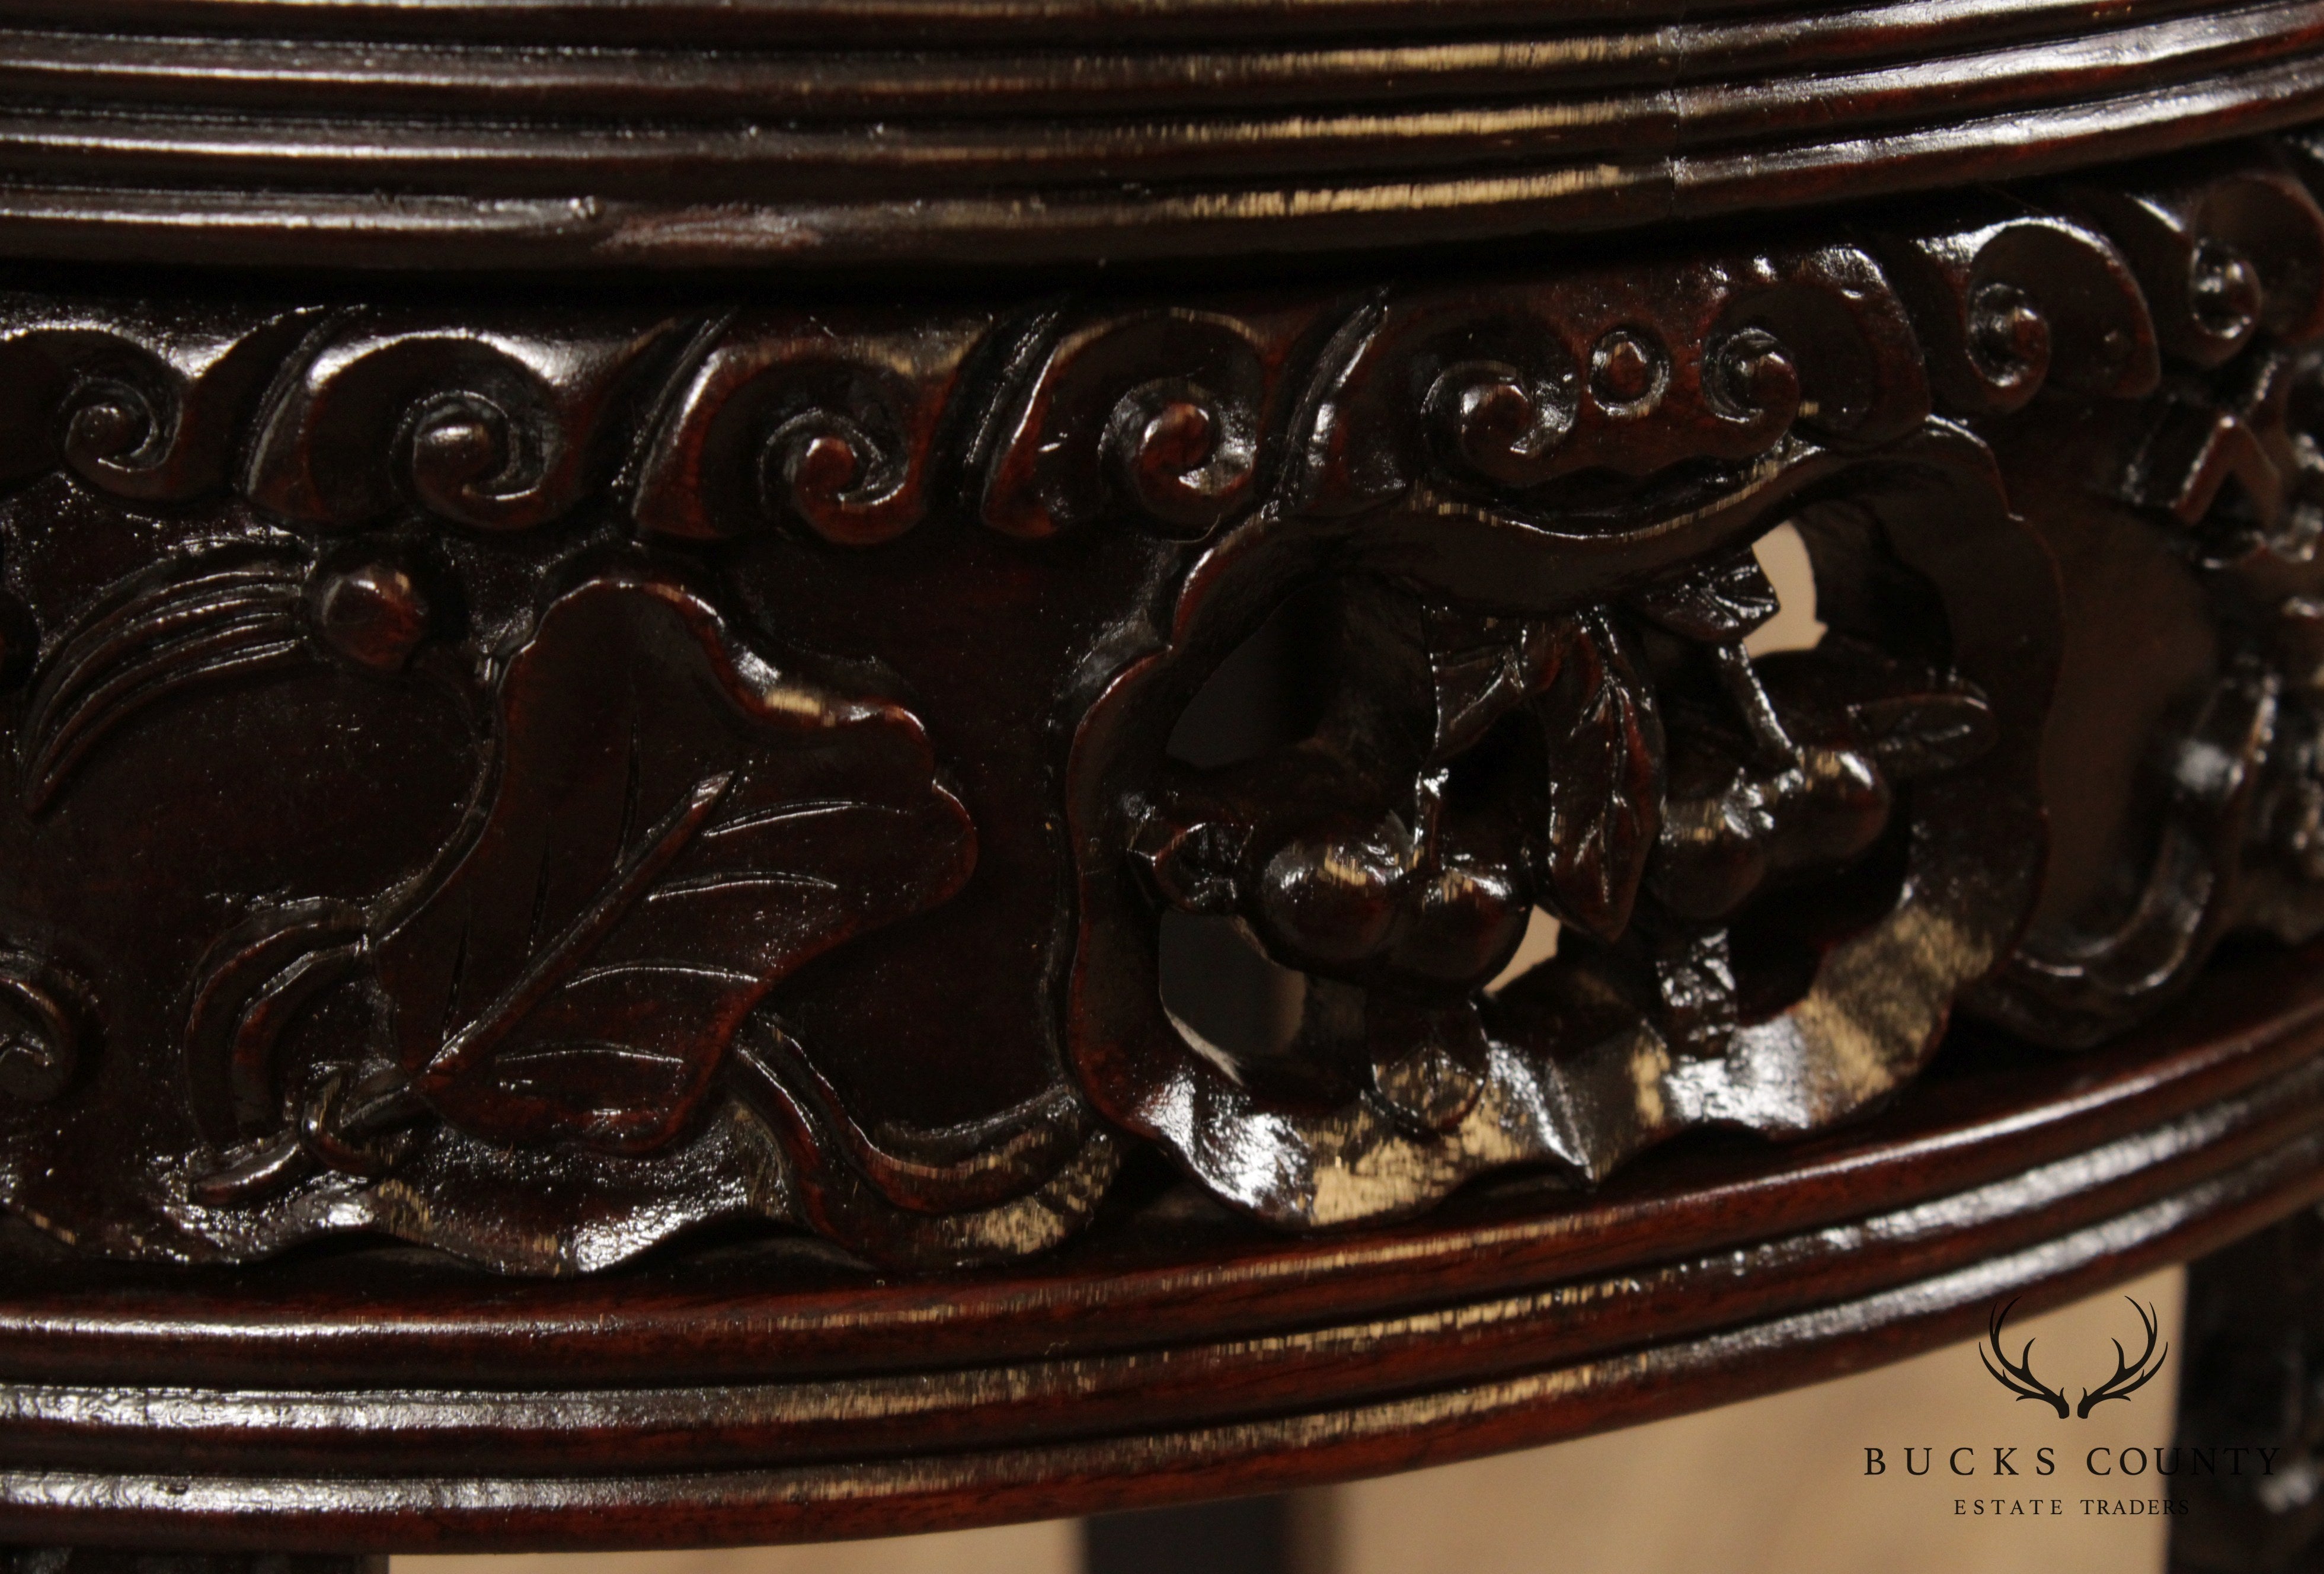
x: 589, y: 867
x: 660, y: 134
x: 2250, y: 1346
x: 635, y: 768
x: 383, y: 1400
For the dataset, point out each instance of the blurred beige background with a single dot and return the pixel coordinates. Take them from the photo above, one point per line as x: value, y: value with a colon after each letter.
x: 1776, y: 1486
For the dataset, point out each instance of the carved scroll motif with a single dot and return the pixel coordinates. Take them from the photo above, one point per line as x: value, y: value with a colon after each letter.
x: 536, y: 781
x: 2223, y: 469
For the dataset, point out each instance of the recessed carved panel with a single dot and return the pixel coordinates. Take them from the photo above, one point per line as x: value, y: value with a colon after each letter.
x: 537, y: 781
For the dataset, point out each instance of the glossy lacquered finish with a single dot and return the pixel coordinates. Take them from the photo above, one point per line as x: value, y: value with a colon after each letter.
x: 590, y: 872
x: 688, y: 1401
x: 719, y: 762
x: 664, y: 134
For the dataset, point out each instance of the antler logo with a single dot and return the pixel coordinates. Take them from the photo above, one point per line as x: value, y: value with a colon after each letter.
x: 2018, y: 1378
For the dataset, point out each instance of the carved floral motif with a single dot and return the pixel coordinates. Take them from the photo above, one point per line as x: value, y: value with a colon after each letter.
x: 534, y: 781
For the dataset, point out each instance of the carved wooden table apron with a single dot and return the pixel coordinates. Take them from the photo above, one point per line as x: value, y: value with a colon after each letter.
x: 596, y: 602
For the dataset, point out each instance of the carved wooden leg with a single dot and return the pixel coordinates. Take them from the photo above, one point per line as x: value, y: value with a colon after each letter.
x: 1242, y: 1535
x: 2252, y: 1377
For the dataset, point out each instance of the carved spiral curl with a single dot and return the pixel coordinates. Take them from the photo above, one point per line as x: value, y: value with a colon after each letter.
x: 1747, y: 376
x: 831, y: 471
x: 2222, y: 253
x: 44, y: 1024
x: 1498, y: 422
x: 2224, y: 289
x: 785, y: 419
x: 467, y: 457
x: 115, y: 430
x: 1629, y: 372
x: 2009, y: 338
x: 2021, y: 301
x: 500, y: 425
x: 139, y: 399
x: 1155, y: 415
x: 1186, y: 455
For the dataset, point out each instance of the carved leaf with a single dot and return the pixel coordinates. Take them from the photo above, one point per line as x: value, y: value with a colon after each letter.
x: 1482, y: 667
x: 676, y: 826
x: 1921, y: 735
x: 1604, y: 741
x: 233, y: 617
x: 1717, y: 604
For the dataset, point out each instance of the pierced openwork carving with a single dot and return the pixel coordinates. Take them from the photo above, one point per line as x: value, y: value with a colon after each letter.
x: 1542, y: 697
x: 534, y: 781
